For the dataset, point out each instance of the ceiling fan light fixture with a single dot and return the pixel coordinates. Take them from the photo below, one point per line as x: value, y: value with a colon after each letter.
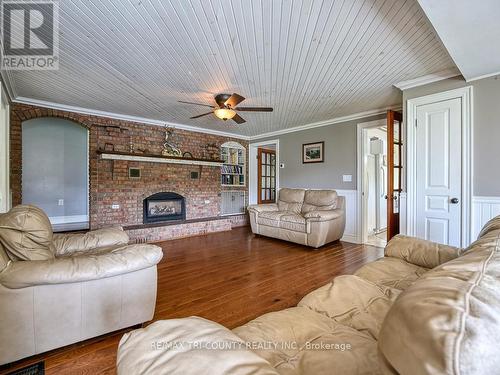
x: 225, y: 113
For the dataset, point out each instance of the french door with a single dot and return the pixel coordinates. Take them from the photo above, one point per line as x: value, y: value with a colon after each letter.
x: 394, y: 171
x: 266, y: 181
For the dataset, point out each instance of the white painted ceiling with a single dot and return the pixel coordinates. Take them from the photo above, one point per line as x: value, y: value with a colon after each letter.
x: 470, y: 31
x: 310, y: 60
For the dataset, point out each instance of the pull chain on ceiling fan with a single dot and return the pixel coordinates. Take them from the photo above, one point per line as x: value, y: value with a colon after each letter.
x: 226, y: 108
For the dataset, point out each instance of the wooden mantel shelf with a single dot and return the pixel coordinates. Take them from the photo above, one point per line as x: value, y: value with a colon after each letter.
x: 151, y: 158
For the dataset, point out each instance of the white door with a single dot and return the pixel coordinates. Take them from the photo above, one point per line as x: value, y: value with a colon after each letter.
x: 438, y: 172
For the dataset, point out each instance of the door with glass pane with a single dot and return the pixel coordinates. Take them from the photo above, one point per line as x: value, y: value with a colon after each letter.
x: 394, y: 169
x: 266, y: 175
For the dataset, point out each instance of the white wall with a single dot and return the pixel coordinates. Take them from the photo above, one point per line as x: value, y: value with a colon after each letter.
x: 4, y: 152
x: 55, y: 167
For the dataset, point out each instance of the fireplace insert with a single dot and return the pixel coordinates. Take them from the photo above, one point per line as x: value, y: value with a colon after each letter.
x: 163, y: 206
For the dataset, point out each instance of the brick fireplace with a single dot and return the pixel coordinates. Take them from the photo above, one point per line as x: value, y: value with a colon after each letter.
x: 116, y: 198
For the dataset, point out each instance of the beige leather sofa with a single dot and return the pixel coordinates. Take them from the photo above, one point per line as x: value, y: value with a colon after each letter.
x: 422, y: 309
x: 308, y: 217
x: 59, y: 289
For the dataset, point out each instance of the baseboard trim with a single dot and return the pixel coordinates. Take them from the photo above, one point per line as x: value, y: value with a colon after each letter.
x: 350, y: 238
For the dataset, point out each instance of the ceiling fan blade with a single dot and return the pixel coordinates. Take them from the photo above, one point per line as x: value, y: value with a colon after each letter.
x: 204, y: 114
x: 238, y: 119
x: 254, y: 109
x: 204, y: 105
x: 234, y: 100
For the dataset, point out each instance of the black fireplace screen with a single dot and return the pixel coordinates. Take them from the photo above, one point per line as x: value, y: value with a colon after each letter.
x: 164, y: 207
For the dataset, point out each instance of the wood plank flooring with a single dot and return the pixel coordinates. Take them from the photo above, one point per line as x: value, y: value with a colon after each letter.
x: 230, y: 277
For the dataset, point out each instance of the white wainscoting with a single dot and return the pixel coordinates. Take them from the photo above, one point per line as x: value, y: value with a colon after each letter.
x: 483, y: 209
x: 351, y: 233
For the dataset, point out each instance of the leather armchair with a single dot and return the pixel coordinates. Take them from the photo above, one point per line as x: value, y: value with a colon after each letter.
x: 308, y: 217
x: 57, y: 289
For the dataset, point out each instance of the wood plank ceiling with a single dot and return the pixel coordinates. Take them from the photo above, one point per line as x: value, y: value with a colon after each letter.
x: 310, y: 60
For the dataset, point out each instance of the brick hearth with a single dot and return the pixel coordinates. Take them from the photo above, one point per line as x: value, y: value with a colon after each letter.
x: 109, y: 181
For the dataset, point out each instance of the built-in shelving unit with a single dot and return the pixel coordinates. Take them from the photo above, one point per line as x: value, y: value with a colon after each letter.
x: 233, y: 169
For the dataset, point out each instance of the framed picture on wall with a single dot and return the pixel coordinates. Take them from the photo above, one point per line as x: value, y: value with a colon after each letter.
x: 313, y: 152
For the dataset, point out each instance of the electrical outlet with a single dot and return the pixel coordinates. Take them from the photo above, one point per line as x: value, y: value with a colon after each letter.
x: 347, y: 178
x: 207, y: 201
x: 115, y: 206
x: 60, y: 202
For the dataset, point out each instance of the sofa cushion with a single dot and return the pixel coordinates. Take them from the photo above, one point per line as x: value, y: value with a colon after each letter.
x: 187, y: 346
x: 291, y: 200
x: 305, y: 342
x: 105, y: 237
x: 448, y: 321
x: 26, y: 233
x: 420, y: 252
x: 322, y: 200
x: 294, y: 222
x: 4, y: 258
x: 391, y: 272
x: 354, y: 302
x: 270, y: 218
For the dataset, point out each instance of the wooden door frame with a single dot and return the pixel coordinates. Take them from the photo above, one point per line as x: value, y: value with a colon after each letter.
x: 362, y: 233
x: 465, y: 94
x: 252, y: 167
x: 260, y: 150
x: 393, y: 226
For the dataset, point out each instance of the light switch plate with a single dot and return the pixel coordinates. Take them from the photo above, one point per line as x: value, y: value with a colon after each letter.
x: 60, y: 202
x: 347, y: 178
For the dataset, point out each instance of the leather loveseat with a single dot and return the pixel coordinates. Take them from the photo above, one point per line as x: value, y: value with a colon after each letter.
x: 57, y: 289
x: 423, y: 308
x: 308, y: 217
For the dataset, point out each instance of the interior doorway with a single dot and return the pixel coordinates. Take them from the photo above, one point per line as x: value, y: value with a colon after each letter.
x: 266, y: 171
x: 263, y: 171
x: 374, y: 182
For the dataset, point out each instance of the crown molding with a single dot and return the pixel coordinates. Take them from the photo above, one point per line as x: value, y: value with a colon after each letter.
x: 143, y: 120
x: 117, y: 116
x: 429, y: 78
x: 336, y: 120
x: 482, y: 77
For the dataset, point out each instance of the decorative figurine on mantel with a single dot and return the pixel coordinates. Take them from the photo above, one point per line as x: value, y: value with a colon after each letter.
x: 170, y: 148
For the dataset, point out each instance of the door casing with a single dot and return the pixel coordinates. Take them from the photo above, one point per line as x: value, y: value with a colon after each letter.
x: 465, y: 94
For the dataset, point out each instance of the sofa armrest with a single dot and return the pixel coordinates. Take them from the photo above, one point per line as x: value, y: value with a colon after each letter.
x: 188, y: 346
x: 263, y: 207
x: 70, y: 243
x: 22, y: 274
x: 420, y: 252
x: 320, y: 215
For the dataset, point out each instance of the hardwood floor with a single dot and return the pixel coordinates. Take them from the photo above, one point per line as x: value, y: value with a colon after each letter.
x: 230, y: 277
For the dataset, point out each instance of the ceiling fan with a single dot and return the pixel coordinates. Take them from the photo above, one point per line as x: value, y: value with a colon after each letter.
x: 226, y: 108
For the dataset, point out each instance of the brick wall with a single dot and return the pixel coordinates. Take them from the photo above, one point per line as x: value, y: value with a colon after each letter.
x: 109, y: 181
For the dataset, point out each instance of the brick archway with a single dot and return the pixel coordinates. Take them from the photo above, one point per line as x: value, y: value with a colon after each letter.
x: 20, y: 113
